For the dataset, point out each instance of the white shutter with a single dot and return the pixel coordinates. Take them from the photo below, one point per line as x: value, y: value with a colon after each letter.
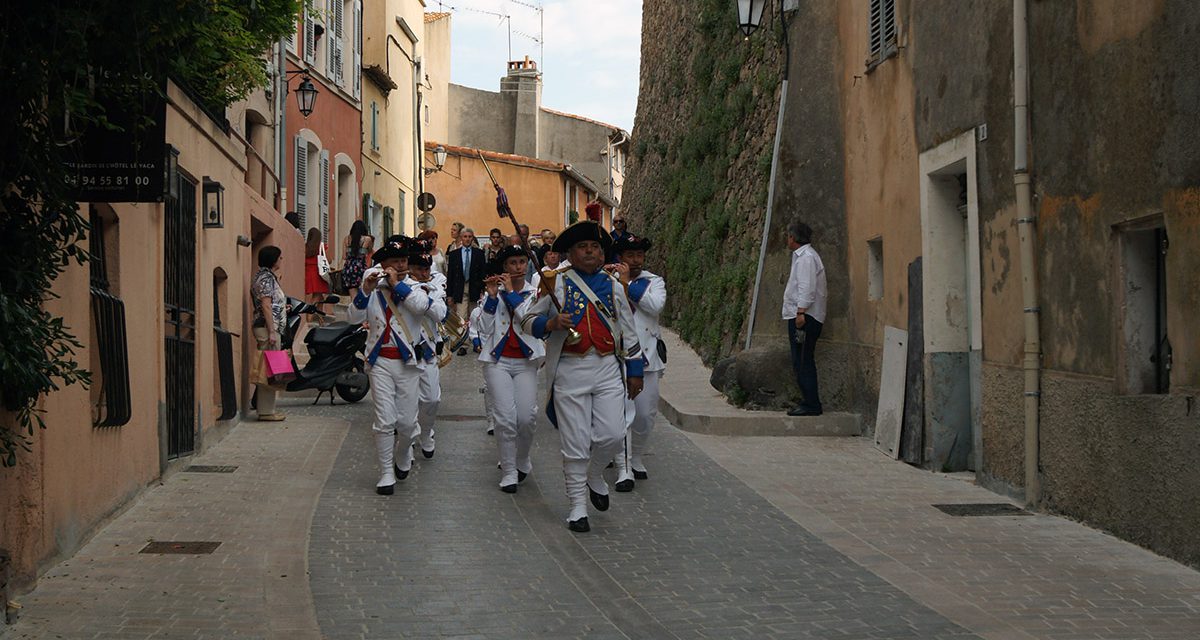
x: 356, y: 70
x: 291, y: 39
x: 325, y: 195
x: 339, y: 34
x: 301, y: 183
x: 310, y: 37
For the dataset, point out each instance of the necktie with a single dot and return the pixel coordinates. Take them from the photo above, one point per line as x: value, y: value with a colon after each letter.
x: 466, y: 263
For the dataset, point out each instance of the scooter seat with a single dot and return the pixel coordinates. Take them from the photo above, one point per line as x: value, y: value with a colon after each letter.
x: 328, y: 334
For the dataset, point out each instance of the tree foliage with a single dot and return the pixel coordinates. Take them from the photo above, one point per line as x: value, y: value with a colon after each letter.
x: 53, y: 53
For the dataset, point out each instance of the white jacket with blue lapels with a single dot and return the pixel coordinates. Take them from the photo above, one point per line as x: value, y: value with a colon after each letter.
x: 648, y: 294
x: 497, y: 316
x: 403, y: 332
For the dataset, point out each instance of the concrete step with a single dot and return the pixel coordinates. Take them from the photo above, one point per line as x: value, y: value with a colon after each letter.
x: 688, y: 400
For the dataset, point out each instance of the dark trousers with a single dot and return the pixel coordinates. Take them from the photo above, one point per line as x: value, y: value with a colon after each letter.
x: 804, y: 347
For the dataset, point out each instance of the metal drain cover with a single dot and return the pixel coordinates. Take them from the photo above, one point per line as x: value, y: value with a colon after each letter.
x: 210, y: 468
x: 982, y: 509
x: 184, y: 548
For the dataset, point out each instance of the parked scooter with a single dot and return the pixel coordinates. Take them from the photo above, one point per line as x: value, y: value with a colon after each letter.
x: 335, y: 361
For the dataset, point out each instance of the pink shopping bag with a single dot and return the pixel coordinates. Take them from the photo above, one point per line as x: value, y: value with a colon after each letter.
x: 278, y: 367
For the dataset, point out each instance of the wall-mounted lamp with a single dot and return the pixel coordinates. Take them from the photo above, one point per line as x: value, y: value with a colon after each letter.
x: 171, y: 172
x: 214, y: 204
x: 750, y: 15
x: 306, y: 93
x: 243, y: 241
x: 439, y: 160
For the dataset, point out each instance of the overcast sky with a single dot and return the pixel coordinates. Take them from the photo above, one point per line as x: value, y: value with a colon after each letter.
x: 592, y: 51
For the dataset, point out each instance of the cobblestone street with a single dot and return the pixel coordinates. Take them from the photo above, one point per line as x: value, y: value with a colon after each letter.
x: 729, y: 538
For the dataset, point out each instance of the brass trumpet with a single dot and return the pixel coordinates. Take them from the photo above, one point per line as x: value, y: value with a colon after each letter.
x: 549, y: 279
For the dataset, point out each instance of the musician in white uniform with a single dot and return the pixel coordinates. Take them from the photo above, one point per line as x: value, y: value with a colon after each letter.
x: 591, y: 372
x: 393, y: 309
x: 420, y: 265
x: 648, y: 295
x: 511, y: 359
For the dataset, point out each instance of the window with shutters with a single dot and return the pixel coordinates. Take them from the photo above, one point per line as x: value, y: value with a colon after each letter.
x: 388, y: 223
x: 301, y: 182
x: 310, y: 37
x: 881, y: 32
x: 356, y: 58
x: 374, y: 126
x: 325, y: 177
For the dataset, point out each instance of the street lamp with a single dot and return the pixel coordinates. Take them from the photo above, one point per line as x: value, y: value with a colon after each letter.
x: 306, y: 96
x: 214, y: 204
x: 439, y: 160
x: 750, y: 15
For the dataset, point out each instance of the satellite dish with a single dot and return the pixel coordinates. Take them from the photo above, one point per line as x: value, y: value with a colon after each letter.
x: 426, y: 202
x: 426, y: 221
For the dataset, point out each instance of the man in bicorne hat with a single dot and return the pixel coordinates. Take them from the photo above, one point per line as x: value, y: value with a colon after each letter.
x: 420, y: 268
x: 393, y: 308
x: 593, y: 361
x: 648, y: 295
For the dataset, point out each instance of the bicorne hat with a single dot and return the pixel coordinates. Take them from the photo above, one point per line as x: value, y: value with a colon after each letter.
x: 631, y: 242
x: 582, y: 231
x: 397, y: 246
x: 510, y: 251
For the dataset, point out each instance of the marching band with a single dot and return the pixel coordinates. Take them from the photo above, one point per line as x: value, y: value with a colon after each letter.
x: 591, y: 329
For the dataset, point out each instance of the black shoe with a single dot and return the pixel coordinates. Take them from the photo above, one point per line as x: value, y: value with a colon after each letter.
x: 640, y: 475
x: 509, y: 488
x: 801, y: 411
x: 400, y: 475
x: 491, y: 432
x: 521, y: 475
x: 462, y: 351
x: 386, y: 490
x: 610, y: 465
x: 427, y: 454
x: 599, y: 500
x: 579, y: 526
x: 624, y: 486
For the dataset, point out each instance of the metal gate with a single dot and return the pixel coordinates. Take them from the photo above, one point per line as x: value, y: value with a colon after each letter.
x: 180, y: 296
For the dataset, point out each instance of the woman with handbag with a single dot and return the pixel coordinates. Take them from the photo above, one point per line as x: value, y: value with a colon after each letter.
x: 356, y: 247
x: 316, y: 271
x: 270, y: 314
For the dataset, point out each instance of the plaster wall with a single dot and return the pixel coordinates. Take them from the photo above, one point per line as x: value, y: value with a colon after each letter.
x: 465, y: 195
x: 482, y: 119
x: 437, y: 73
x: 78, y: 475
x: 577, y: 142
x: 335, y: 125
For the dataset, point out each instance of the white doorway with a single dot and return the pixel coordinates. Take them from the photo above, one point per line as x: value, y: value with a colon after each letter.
x: 952, y: 305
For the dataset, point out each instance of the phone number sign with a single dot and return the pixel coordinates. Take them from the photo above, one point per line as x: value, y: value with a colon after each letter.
x: 125, y: 163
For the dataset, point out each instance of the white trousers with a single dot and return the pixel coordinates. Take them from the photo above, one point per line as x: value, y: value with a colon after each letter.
x: 396, y: 389
x: 640, y: 414
x: 430, y: 399
x: 589, y: 400
x: 512, y: 384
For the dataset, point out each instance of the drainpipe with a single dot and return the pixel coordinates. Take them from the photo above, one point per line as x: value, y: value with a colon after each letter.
x: 1027, y: 230
x: 785, y: 6
x: 281, y: 88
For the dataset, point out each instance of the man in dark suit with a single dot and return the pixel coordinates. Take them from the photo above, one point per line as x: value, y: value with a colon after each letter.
x: 465, y: 268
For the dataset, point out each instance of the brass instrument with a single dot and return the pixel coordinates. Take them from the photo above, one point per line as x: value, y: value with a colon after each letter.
x: 549, y: 279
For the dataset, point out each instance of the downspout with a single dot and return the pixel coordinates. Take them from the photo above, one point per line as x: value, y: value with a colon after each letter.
x: 766, y: 234
x: 1027, y: 228
x: 281, y: 124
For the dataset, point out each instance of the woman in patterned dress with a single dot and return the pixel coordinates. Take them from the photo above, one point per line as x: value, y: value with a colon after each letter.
x: 356, y: 248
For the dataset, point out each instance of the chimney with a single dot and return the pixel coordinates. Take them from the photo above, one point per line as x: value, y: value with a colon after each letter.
x: 524, y: 82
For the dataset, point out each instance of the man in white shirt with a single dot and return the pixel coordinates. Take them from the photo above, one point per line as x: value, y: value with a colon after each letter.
x: 804, y: 311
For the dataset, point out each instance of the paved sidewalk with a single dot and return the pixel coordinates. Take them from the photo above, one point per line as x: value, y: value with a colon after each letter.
x: 254, y: 585
x: 731, y: 537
